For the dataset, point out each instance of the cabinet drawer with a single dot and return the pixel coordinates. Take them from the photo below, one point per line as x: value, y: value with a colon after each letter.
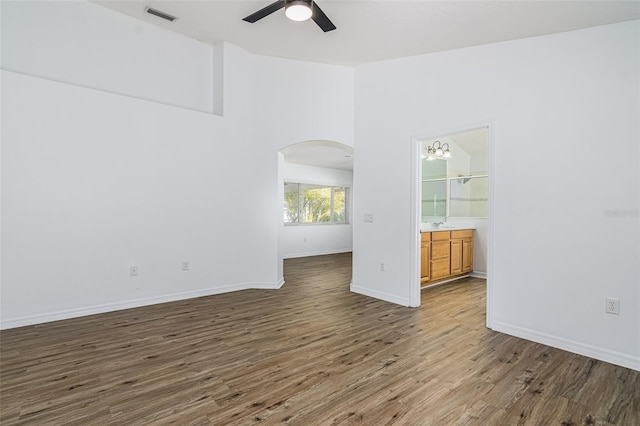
x: 465, y: 233
x: 440, y: 236
x: 440, y: 269
x: 425, y: 236
x: 440, y: 250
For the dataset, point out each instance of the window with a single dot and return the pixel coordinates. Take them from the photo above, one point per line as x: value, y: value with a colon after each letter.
x: 306, y: 203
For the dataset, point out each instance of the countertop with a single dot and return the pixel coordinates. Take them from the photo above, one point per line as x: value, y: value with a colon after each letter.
x: 427, y: 227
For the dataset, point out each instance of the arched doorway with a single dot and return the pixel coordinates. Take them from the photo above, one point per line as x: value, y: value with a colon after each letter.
x: 315, y: 191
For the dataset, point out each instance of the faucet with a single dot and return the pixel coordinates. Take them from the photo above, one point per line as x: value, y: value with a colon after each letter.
x: 437, y: 224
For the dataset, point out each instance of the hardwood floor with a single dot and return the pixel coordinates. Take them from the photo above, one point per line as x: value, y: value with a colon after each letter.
x: 311, y: 353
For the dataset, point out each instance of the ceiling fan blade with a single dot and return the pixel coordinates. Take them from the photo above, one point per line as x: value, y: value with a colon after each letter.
x: 265, y: 11
x: 321, y: 19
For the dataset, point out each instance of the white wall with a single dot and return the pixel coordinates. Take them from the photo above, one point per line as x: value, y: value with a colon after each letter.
x: 88, y: 45
x: 298, y: 101
x: 314, y: 240
x: 479, y: 164
x: 95, y: 181
x: 557, y: 252
x: 460, y: 163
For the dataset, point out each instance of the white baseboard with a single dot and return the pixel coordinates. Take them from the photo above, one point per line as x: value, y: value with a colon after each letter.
x: 477, y: 274
x: 268, y: 286
x: 379, y: 295
x: 422, y: 287
x: 316, y: 253
x: 613, y: 357
x: 135, y: 303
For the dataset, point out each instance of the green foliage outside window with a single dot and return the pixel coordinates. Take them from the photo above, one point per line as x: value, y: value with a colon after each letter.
x: 305, y: 203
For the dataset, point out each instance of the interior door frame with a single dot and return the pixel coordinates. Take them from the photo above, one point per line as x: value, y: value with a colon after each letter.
x: 416, y: 173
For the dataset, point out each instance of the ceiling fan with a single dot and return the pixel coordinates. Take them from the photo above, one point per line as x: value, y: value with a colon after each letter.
x: 296, y: 10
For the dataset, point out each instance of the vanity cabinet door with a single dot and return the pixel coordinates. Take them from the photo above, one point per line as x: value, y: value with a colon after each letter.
x: 456, y: 257
x: 425, y: 257
x: 465, y: 238
x: 467, y: 254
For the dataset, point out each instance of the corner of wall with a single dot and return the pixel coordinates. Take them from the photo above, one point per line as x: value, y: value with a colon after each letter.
x: 387, y: 297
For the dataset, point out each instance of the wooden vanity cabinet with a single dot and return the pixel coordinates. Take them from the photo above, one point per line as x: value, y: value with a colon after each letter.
x: 425, y: 257
x: 445, y: 254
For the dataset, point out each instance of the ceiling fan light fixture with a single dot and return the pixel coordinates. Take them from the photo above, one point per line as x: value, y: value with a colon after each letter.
x: 298, y: 10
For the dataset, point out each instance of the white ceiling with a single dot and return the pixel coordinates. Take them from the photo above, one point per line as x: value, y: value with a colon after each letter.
x: 320, y: 153
x: 377, y: 30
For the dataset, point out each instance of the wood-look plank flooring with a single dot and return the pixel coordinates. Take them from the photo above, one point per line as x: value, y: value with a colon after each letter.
x: 311, y: 353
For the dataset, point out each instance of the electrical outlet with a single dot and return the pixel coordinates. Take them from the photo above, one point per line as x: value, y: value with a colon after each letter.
x: 613, y: 306
x: 185, y: 266
x: 381, y: 266
x: 368, y: 217
x: 305, y: 239
x: 133, y: 271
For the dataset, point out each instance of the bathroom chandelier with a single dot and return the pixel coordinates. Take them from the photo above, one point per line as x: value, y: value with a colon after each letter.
x: 438, y: 151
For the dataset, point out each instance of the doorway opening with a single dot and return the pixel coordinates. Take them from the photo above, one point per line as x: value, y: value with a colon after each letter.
x: 451, y: 208
x: 315, y: 181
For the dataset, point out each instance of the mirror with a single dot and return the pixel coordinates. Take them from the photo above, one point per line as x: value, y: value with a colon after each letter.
x: 458, y: 186
x: 434, y: 191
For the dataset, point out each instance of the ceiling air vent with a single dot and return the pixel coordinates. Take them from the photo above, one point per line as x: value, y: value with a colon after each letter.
x: 160, y: 14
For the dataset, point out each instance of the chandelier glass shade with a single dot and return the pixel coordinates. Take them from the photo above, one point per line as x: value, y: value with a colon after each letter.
x: 438, y: 151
